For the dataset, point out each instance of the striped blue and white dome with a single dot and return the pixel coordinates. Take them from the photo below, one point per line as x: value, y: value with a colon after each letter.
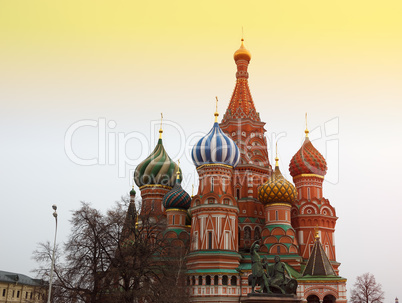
x: 215, y: 148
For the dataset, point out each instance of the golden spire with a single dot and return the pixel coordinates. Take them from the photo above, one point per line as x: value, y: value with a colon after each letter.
x: 276, y: 156
x: 160, y: 129
x: 192, y: 190
x: 178, y: 169
x: 216, y: 112
x: 242, y: 53
x: 306, y: 131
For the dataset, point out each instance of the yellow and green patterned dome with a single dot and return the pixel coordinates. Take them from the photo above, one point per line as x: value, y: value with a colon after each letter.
x: 277, y: 189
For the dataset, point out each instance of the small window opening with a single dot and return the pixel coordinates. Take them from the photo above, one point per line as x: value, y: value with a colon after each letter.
x: 210, y: 240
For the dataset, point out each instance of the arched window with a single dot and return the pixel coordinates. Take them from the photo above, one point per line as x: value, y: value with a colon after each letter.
x: 233, y: 281
x: 238, y: 193
x: 276, y: 215
x: 308, y: 193
x: 216, y: 280
x: 278, y: 250
x: 257, y: 233
x: 212, y: 184
x: 193, y: 280
x: 247, y: 233
x: 313, y: 299
x: 208, y: 280
x: 199, y: 280
x: 329, y: 299
x: 225, y: 280
x: 173, y: 220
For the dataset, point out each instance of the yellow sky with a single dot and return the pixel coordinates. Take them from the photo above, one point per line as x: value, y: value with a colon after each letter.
x: 287, y: 38
x: 182, y: 23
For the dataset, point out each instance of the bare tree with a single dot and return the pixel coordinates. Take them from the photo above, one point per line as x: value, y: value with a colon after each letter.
x: 146, y: 266
x: 118, y: 257
x: 367, y: 290
x: 86, y: 258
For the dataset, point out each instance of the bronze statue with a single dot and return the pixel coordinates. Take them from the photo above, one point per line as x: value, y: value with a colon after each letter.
x: 269, y: 276
x: 277, y: 274
x: 258, y: 276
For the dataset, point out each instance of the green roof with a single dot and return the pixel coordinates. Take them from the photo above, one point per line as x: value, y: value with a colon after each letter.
x: 245, y: 266
x: 223, y: 252
x: 292, y: 272
x: 285, y: 227
x: 252, y: 220
x: 178, y: 231
x: 320, y: 278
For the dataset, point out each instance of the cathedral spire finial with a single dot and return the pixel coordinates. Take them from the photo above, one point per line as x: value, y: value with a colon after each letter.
x: 306, y: 131
x: 178, y: 170
x: 160, y: 129
x: 192, y: 190
x: 216, y: 112
x: 276, y: 155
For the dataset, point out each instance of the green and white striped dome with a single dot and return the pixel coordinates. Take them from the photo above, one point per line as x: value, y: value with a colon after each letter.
x: 157, y: 169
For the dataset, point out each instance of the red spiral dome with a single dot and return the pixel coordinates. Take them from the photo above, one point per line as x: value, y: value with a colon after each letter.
x: 308, y: 160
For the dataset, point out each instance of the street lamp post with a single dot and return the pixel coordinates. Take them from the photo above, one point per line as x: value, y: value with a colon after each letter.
x: 54, y: 251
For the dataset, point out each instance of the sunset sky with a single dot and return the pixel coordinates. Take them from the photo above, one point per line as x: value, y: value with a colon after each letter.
x: 65, y: 65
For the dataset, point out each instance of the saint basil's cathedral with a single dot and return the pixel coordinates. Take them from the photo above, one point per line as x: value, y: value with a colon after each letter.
x: 242, y: 199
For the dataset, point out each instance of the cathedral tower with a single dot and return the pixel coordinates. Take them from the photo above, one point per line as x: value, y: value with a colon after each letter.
x: 176, y: 202
x: 278, y: 235
x: 155, y: 176
x: 242, y: 123
x: 311, y: 210
x: 214, y: 256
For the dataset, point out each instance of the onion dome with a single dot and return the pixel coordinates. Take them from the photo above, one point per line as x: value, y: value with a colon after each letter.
x: 157, y: 169
x: 307, y: 160
x: 215, y: 148
x: 177, y: 197
x: 277, y: 189
x: 132, y: 192
x: 242, y: 53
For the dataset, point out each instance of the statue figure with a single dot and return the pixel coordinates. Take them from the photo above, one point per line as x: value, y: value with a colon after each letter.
x: 277, y: 274
x: 258, y: 276
x: 270, y: 277
x: 278, y: 280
